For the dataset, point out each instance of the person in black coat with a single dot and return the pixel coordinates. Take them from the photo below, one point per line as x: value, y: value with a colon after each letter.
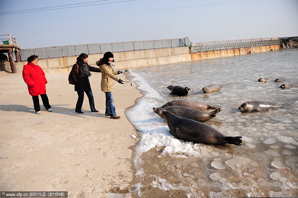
x: 80, y: 74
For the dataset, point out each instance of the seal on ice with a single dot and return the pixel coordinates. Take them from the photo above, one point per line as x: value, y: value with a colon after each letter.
x: 258, y: 106
x: 185, y: 112
x: 193, y: 105
x: 287, y: 86
x: 264, y: 79
x: 197, y: 132
x: 178, y: 90
x: 211, y: 88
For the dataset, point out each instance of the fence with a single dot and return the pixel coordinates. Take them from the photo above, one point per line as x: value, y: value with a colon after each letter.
x: 75, y: 50
x: 233, y: 44
x: 7, y: 39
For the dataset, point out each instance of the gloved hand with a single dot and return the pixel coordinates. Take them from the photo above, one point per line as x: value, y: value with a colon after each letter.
x: 120, y: 81
x: 122, y: 71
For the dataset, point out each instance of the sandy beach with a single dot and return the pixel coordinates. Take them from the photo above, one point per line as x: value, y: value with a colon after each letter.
x: 88, y: 155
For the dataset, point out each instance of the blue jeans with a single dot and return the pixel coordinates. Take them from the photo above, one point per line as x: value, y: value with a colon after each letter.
x: 110, y: 107
x: 81, y: 99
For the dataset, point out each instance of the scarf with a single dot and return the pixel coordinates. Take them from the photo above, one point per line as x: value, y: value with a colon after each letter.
x: 112, y: 65
x: 86, y: 70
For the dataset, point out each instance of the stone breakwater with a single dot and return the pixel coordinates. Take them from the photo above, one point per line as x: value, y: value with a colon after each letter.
x: 289, y: 42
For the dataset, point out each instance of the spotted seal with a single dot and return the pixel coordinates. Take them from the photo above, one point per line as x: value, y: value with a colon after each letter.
x: 279, y: 80
x: 185, y: 112
x: 197, y: 132
x: 287, y: 86
x: 258, y: 106
x: 211, y: 88
x: 264, y: 79
x: 193, y: 105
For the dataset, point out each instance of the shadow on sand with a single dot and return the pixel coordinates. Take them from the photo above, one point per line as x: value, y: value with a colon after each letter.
x: 56, y: 109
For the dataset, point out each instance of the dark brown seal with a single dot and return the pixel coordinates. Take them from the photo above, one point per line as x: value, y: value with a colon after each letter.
x: 178, y: 90
x: 211, y: 88
x: 197, y: 132
x: 258, y: 106
x: 287, y: 86
x: 193, y: 105
x: 185, y: 112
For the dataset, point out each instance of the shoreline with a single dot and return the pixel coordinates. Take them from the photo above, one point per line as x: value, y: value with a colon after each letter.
x: 133, y: 155
x: 267, y: 157
x: 87, y: 155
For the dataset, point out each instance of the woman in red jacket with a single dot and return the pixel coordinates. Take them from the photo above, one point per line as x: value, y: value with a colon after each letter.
x: 36, y: 81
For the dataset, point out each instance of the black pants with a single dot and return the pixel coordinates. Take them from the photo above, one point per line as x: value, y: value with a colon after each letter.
x: 45, y: 102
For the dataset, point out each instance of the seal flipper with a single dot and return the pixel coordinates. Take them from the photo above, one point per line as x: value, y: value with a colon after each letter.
x: 234, y: 140
x: 216, y: 111
x: 211, y: 107
x: 175, y: 131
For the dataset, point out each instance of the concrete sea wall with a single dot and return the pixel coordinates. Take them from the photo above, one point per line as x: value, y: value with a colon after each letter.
x: 145, y: 58
x: 233, y: 52
x: 123, y: 60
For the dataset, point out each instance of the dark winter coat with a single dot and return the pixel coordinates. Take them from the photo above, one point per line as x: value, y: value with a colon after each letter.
x: 81, y: 80
x: 35, y: 79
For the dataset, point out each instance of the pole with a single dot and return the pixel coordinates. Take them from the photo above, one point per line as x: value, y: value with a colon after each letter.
x: 12, y: 63
x: 15, y: 41
x: 9, y: 39
x: 18, y: 57
x: 17, y: 52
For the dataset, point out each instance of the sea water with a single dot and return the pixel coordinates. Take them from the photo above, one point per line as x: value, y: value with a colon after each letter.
x: 266, y: 164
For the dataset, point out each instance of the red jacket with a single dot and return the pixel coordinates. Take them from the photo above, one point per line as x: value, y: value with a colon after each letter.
x: 35, y: 79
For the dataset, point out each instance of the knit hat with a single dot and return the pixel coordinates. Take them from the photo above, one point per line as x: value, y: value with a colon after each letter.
x: 108, y: 55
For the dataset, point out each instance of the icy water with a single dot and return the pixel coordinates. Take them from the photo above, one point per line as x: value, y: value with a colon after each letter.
x: 266, y: 164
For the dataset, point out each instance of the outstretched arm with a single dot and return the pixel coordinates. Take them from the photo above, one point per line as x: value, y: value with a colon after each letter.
x: 94, y: 69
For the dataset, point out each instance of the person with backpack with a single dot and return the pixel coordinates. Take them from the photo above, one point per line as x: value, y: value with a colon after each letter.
x: 80, y: 74
x: 36, y: 81
x: 107, y: 67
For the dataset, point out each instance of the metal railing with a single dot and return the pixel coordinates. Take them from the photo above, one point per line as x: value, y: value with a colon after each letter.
x: 233, y: 44
x: 75, y: 50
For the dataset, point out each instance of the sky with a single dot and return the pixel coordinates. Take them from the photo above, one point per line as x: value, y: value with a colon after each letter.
x: 43, y: 23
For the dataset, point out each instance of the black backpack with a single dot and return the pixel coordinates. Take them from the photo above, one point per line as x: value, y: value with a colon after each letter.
x: 70, y: 81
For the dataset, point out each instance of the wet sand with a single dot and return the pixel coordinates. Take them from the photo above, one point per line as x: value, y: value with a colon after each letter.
x: 88, y: 155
